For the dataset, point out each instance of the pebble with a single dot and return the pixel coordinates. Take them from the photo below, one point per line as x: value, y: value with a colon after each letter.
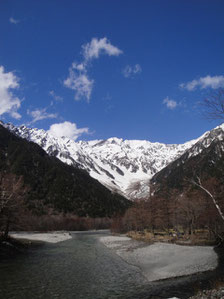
x: 210, y: 294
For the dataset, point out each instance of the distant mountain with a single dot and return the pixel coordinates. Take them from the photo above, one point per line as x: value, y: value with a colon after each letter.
x: 123, y: 166
x: 51, y: 184
x: 188, y: 194
x: 205, y: 159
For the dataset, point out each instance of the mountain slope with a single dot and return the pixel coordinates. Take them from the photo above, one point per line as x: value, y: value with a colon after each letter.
x: 205, y: 159
x: 53, y: 184
x: 178, y: 198
x: 124, y: 166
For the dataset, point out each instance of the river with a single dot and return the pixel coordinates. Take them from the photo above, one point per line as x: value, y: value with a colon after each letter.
x: 82, y: 267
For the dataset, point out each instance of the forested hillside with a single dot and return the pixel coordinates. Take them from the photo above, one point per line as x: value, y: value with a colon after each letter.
x: 185, y: 197
x: 51, y: 184
x: 190, y: 190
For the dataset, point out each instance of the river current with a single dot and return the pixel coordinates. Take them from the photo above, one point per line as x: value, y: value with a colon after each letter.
x: 82, y: 267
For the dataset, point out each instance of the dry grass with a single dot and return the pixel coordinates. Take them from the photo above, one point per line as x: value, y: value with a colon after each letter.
x: 149, y: 237
x: 199, y: 238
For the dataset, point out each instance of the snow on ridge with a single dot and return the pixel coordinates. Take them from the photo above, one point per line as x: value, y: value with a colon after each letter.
x: 220, y: 127
x: 121, y: 165
x: 206, y: 139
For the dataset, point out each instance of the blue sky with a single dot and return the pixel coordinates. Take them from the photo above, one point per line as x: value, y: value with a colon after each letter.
x: 98, y: 69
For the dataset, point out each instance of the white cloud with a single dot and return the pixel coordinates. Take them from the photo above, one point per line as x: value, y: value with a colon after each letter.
x: 8, y: 102
x: 13, y: 21
x: 214, y: 82
x: 99, y: 46
x: 79, y: 66
x: 129, y: 71
x: 79, y: 82
x: 67, y: 129
x: 78, y: 79
x: 170, y: 104
x: 55, y: 97
x: 39, y: 114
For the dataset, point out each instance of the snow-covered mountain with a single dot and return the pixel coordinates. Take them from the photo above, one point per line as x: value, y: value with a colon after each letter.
x: 121, y: 165
x: 127, y: 165
x: 205, y: 159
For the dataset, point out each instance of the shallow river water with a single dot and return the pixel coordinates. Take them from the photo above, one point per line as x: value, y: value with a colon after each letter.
x: 82, y: 267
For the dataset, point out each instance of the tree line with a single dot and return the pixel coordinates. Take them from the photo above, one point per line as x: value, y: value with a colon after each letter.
x: 189, y: 196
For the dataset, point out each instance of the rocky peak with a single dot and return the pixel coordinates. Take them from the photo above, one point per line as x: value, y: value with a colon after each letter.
x: 118, y: 164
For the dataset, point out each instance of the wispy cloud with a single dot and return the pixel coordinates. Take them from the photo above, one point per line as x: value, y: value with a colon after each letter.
x: 97, y: 47
x: 13, y: 21
x: 67, y: 129
x: 170, y: 104
x: 55, y: 96
x: 40, y: 114
x: 214, y: 82
x: 78, y: 79
x: 130, y: 71
x: 80, y: 83
x: 8, y: 102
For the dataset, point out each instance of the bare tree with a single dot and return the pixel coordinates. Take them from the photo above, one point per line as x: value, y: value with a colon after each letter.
x: 198, y: 183
x: 190, y: 207
x: 214, y: 105
x: 12, y: 193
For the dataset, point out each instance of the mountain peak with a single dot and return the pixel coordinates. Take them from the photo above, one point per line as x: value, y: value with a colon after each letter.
x: 120, y: 165
x: 115, y: 140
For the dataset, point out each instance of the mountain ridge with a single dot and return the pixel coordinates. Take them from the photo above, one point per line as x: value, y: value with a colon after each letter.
x: 52, y: 184
x: 123, y: 166
x: 211, y: 141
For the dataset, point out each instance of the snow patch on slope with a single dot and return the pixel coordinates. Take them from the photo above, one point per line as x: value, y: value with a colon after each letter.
x: 124, y: 166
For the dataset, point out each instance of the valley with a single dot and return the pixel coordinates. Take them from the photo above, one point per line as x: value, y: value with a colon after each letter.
x: 123, y: 166
x: 56, y: 183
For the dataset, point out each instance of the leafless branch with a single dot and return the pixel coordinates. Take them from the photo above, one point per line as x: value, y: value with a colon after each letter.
x: 199, y: 184
x: 214, y: 105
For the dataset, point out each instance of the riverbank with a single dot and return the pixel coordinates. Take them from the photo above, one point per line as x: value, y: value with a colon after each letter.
x: 50, y: 237
x: 88, y: 262
x: 162, y: 260
x: 210, y: 294
x: 19, y: 242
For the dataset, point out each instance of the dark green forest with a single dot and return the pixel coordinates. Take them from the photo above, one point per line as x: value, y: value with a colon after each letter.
x: 51, y: 185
